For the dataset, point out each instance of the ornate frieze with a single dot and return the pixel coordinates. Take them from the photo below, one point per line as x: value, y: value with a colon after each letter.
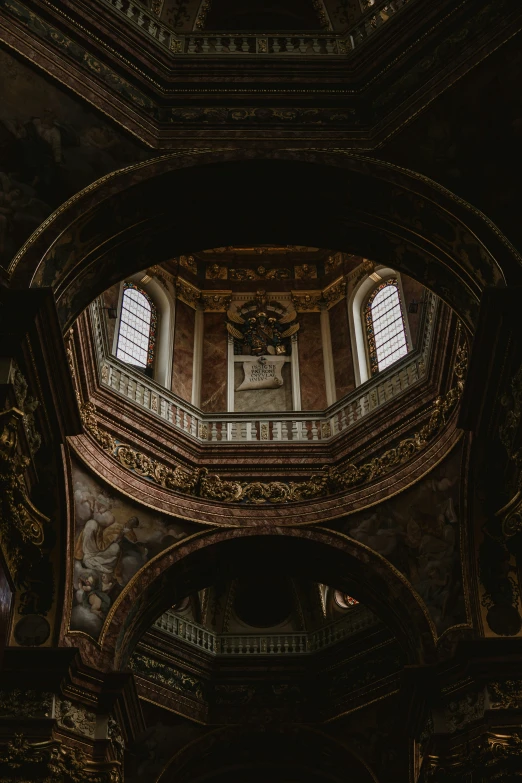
x: 168, y: 676
x: 505, y: 695
x: 260, y: 273
x: 261, y: 328
x: 22, y: 526
x: 53, y: 762
x: 200, y: 483
x: 21, y: 704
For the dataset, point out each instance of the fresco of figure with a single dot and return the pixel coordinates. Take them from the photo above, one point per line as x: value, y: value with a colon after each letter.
x: 114, y: 539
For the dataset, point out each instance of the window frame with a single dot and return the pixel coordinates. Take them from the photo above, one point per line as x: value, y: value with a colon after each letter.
x: 355, y: 304
x: 153, y: 328
x: 368, y: 324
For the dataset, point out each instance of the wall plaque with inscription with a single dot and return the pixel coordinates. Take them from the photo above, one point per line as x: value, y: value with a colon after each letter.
x: 263, y: 372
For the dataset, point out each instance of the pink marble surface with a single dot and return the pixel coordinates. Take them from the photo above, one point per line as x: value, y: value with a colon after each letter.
x: 342, y: 349
x: 183, y: 351
x: 214, y: 372
x: 311, y: 366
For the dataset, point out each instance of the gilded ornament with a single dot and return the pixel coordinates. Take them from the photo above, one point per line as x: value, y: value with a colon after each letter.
x: 25, y: 704
x: 173, y: 678
x: 505, y: 695
x: 334, y: 293
x: 21, y: 524
x: 200, y: 483
x: 260, y: 273
x: 218, y: 301
x: 259, y: 333
x: 188, y: 293
x: 53, y: 762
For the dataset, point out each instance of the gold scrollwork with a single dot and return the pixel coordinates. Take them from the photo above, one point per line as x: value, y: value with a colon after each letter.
x: 21, y: 524
x: 200, y: 483
x: 53, y: 762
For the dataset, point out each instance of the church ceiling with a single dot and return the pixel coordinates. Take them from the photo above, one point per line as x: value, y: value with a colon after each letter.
x: 186, y: 16
x: 146, y: 76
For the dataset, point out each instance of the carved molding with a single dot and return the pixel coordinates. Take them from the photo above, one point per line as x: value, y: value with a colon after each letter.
x: 22, y: 526
x: 497, y: 757
x: 53, y: 762
x: 200, y: 483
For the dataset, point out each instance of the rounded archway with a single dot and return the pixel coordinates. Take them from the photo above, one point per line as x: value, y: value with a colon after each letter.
x: 282, y: 754
x: 152, y: 211
x: 320, y: 555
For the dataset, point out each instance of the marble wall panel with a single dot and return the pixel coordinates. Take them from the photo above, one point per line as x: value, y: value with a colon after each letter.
x: 413, y: 290
x: 215, y: 357
x: 311, y: 366
x: 342, y: 349
x: 183, y: 351
x: 263, y: 400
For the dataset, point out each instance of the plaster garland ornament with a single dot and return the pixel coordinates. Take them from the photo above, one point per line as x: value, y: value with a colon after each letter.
x: 262, y: 329
x: 198, y: 482
x: 21, y: 524
x: 172, y: 678
x: 496, y: 757
x: 505, y: 695
x: 53, y: 762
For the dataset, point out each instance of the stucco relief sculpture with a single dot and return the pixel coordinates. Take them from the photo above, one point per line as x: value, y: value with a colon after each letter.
x: 257, y: 332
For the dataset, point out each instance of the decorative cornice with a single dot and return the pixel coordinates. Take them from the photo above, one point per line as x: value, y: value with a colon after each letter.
x: 99, y: 79
x: 53, y: 762
x: 203, y: 484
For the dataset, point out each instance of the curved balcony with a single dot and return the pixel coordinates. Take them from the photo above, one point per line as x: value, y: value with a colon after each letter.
x: 291, y: 427
x: 326, y: 44
x: 272, y: 644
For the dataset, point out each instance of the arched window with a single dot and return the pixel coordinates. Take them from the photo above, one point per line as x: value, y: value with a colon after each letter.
x: 343, y: 600
x: 137, y: 330
x: 385, y: 330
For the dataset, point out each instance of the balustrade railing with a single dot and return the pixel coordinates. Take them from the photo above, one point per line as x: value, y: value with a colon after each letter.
x: 357, y: 619
x: 326, y: 43
x: 295, y: 426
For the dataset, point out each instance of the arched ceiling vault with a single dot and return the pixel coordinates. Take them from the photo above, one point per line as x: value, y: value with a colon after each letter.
x: 153, y: 211
x: 320, y: 555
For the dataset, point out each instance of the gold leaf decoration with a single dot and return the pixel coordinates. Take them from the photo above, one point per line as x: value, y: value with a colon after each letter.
x: 199, y: 482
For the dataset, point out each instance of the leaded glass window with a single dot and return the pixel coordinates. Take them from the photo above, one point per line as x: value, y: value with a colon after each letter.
x: 344, y: 601
x: 385, y: 328
x: 137, y: 332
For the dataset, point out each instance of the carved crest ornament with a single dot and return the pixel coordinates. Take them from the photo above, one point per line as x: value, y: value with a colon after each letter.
x: 262, y: 329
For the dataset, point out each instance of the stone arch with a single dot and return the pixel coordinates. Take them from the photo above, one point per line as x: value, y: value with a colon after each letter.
x: 183, y: 202
x: 320, y: 554
x: 308, y: 748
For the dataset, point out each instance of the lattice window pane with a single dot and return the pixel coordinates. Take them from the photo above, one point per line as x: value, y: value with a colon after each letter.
x: 385, y: 326
x: 137, y: 331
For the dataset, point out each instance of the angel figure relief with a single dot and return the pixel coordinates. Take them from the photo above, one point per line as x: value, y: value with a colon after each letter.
x: 257, y: 333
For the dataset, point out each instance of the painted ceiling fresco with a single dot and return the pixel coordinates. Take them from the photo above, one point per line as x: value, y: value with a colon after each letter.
x: 114, y: 538
x: 51, y: 146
